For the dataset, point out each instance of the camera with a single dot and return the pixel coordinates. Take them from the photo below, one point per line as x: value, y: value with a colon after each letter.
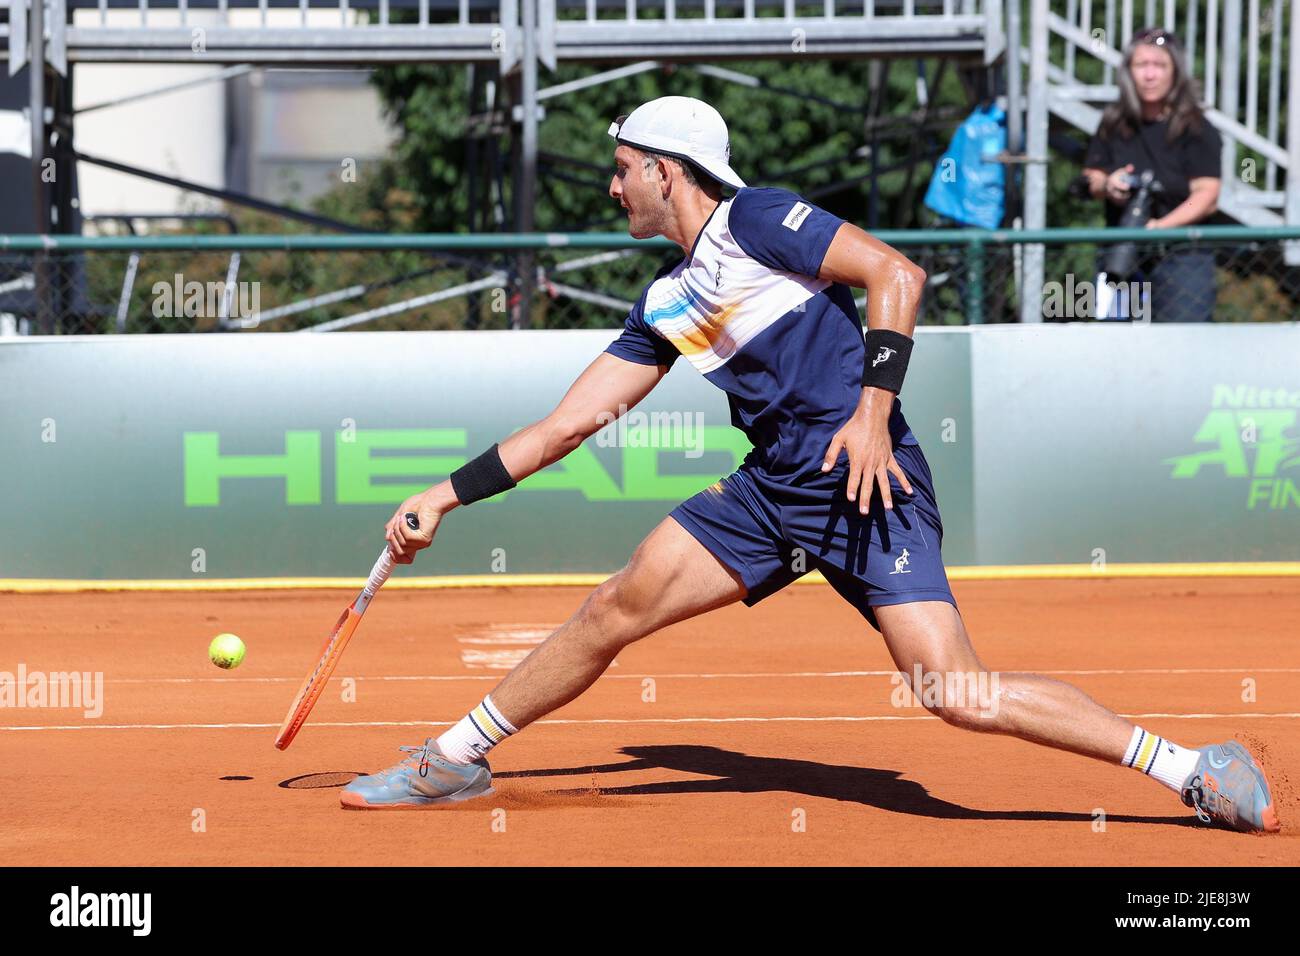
x: 1121, y: 260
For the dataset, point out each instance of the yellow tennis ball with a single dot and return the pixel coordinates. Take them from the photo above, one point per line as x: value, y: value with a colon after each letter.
x: 226, y: 651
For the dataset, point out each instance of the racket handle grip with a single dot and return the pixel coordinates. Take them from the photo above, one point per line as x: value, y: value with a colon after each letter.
x: 384, y: 566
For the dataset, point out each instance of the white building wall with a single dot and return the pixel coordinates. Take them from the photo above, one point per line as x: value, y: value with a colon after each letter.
x: 183, y: 133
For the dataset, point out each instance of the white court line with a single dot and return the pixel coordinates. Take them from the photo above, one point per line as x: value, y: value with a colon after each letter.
x: 792, y: 674
x: 604, y: 720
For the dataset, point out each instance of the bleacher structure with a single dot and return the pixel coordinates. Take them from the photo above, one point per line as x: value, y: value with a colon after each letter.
x: 1251, y: 54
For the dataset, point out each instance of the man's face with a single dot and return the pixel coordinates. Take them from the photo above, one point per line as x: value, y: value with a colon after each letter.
x: 1153, y: 73
x: 637, y: 189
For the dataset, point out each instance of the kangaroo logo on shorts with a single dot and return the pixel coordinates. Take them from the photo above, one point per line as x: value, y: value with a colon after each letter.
x: 882, y: 355
x: 900, y: 564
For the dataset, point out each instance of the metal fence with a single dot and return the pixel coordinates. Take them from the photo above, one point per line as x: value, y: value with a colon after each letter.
x: 485, y: 31
x: 246, y: 283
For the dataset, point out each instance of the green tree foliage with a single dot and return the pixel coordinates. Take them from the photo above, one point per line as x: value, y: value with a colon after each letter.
x: 801, y: 129
x: 805, y: 126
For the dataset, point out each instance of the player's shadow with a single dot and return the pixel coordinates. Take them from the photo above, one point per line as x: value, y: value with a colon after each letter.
x: 740, y: 773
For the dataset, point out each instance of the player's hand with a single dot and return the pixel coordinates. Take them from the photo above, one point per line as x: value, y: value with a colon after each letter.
x: 871, y: 458
x: 404, y: 542
x: 1117, y: 190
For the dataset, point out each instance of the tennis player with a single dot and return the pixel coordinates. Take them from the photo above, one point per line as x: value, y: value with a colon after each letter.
x: 761, y: 306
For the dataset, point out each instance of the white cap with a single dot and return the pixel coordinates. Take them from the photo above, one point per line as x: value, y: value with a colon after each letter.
x: 684, y: 127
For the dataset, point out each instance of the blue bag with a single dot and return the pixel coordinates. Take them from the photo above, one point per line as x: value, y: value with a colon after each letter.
x: 973, y: 191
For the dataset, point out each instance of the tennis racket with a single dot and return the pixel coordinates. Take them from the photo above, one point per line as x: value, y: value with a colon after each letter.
x: 319, y: 676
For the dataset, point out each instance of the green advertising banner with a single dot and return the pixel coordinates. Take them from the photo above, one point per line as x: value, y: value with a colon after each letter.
x: 176, y: 457
x: 1132, y: 443
x: 283, y: 455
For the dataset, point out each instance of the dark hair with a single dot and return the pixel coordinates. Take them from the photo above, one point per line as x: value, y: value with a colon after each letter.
x: 693, y: 174
x: 1123, y: 117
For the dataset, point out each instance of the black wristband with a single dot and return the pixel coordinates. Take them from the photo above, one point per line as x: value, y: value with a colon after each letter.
x: 885, y: 363
x: 481, y: 478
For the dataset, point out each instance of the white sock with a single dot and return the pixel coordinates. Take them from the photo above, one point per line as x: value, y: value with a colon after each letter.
x: 1159, y: 758
x: 478, y: 732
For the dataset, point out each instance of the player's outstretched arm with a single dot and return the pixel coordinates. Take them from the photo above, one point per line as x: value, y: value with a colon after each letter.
x: 893, y: 283
x: 606, y: 389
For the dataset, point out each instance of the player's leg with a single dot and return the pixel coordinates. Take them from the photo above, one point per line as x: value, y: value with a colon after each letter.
x: 1222, y: 782
x: 929, y: 637
x: 716, y: 548
x: 889, y: 565
x: 670, y: 577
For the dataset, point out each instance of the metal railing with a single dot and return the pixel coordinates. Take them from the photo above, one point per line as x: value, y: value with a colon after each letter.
x: 1249, y: 62
x: 374, y: 31
x: 244, y: 283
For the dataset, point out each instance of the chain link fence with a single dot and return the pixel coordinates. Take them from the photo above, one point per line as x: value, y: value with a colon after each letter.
x: 184, y: 290
x: 392, y: 282
x: 1209, y: 279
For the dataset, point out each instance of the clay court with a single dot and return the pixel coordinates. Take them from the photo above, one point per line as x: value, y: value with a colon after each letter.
x: 756, y: 715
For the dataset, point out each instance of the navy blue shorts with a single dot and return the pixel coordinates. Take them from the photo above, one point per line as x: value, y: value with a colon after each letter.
x: 771, y: 533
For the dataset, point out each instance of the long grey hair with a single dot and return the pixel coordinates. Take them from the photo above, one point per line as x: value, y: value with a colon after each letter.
x: 1123, y: 117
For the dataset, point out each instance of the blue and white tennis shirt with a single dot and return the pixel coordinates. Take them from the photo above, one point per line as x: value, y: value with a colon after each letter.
x: 747, y: 309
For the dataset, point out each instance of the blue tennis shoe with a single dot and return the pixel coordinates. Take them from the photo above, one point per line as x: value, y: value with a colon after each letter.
x: 426, y: 778
x: 1229, y: 788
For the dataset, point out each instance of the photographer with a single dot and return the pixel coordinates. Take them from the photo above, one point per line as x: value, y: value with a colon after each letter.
x: 1156, y: 125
